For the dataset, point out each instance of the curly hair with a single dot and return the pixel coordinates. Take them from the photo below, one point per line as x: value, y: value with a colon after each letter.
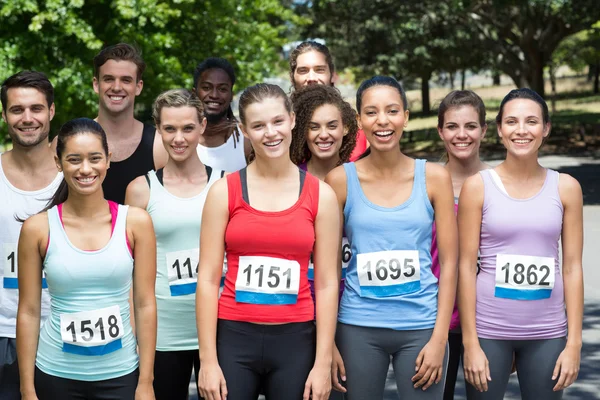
x: 305, y: 102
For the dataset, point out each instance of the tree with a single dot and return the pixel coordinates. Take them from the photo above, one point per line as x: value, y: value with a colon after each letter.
x: 60, y: 38
x: 524, y: 34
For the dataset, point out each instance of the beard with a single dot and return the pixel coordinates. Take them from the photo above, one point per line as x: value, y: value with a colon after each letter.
x: 29, y: 142
x: 216, y: 118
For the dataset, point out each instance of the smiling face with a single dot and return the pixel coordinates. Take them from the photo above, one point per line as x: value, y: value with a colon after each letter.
x: 180, y: 131
x: 522, y: 128
x: 312, y: 69
x: 83, y: 163
x: 268, y: 125
x: 382, y: 117
x: 325, y: 132
x: 216, y: 92
x: 28, y: 116
x: 462, y: 132
x: 117, y: 87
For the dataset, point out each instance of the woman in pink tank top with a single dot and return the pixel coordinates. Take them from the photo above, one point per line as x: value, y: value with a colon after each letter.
x: 520, y: 302
x: 461, y: 126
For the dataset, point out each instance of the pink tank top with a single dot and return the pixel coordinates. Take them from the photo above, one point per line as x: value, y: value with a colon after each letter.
x: 519, y: 288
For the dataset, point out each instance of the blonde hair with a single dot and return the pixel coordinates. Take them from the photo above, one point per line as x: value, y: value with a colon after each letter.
x: 176, y: 98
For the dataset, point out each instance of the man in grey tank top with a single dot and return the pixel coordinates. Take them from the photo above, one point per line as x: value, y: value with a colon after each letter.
x: 28, y: 178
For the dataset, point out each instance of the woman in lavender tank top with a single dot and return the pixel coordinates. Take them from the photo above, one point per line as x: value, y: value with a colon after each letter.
x: 461, y: 126
x: 515, y: 215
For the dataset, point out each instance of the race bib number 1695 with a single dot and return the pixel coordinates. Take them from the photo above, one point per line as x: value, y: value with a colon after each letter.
x: 388, y: 273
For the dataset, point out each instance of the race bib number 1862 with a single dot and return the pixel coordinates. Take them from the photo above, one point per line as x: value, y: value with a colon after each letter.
x: 92, y: 333
x: 388, y: 273
x: 524, y: 277
x: 267, y: 280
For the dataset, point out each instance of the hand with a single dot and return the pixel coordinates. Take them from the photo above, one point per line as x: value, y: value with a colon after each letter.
x: 476, y: 367
x: 567, y: 368
x: 144, y: 391
x: 211, y: 382
x: 318, y: 384
x: 429, y: 364
x: 338, y: 368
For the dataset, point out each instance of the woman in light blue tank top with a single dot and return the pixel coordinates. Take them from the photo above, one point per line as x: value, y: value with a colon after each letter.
x: 392, y: 306
x: 520, y: 302
x: 86, y: 248
x: 174, y: 197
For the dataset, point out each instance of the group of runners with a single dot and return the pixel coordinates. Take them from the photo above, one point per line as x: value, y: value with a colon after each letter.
x: 289, y: 253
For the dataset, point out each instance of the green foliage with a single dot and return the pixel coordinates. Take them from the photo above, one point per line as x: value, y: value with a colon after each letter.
x: 61, y: 37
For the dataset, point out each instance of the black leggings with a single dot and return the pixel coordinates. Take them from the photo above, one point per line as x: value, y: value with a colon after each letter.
x: 172, y: 372
x: 49, y: 387
x: 456, y: 351
x: 276, y: 358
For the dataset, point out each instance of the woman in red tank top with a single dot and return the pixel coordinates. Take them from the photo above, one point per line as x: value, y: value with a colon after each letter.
x: 269, y: 218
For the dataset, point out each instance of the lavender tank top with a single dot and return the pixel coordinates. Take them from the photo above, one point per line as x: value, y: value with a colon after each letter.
x: 519, y: 288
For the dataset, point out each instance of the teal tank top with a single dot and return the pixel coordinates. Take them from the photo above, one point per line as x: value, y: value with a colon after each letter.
x: 177, y: 227
x: 88, y: 335
x: 389, y: 283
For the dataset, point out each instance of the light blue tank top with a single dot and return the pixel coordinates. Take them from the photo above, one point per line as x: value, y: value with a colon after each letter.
x: 389, y: 283
x: 177, y: 227
x: 88, y: 336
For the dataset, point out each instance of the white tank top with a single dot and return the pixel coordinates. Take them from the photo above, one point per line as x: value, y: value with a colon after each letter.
x: 228, y: 157
x: 22, y: 204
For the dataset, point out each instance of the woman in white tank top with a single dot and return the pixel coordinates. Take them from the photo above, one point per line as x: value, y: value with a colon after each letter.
x: 86, y: 246
x: 174, y: 197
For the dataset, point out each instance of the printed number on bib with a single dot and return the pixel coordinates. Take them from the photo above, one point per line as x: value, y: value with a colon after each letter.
x: 388, y: 273
x: 267, y: 280
x: 182, y: 267
x: 346, y: 256
x: 524, y: 277
x: 92, y: 333
x: 10, y: 279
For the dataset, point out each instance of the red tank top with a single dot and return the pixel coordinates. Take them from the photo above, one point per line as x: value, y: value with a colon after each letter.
x: 270, y: 252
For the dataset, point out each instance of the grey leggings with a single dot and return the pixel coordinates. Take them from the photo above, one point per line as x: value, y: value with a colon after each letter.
x: 366, y: 353
x: 535, y: 360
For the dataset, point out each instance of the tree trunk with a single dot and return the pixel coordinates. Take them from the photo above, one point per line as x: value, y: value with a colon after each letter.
x: 553, y: 86
x: 425, y: 92
x: 591, y: 73
x: 451, y: 80
x: 597, y: 78
x: 463, y: 78
x: 535, y: 78
x: 496, y: 78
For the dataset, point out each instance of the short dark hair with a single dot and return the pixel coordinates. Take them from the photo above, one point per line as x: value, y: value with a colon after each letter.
x: 120, y: 52
x: 305, y: 47
x: 214, y: 63
x: 524, y: 93
x: 28, y: 79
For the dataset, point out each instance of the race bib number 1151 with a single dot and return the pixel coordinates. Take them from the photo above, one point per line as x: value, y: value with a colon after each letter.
x: 267, y: 280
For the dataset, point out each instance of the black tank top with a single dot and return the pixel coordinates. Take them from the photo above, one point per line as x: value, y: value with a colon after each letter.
x: 139, y: 163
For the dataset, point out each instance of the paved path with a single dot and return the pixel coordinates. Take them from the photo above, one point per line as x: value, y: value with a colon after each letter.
x: 587, y: 387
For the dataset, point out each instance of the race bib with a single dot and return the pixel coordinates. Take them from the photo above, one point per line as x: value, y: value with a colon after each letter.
x: 92, y: 333
x: 182, y: 267
x: 11, y: 268
x: 524, y: 277
x: 346, y: 256
x: 388, y: 273
x: 267, y: 280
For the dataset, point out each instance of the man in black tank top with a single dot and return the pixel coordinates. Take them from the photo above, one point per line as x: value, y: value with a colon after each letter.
x: 136, y: 147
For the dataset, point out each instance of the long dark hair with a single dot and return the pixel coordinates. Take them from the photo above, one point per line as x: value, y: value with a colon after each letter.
x: 71, y: 128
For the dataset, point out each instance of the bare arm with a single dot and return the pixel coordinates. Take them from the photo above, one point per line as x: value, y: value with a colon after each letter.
x: 215, y: 218
x: 159, y: 152
x: 470, y: 208
x: 138, y: 193
x: 30, y: 295
x: 144, y: 277
x: 567, y: 366
x: 327, y: 265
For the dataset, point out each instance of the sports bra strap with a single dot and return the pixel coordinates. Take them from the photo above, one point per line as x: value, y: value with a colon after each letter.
x: 244, y: 183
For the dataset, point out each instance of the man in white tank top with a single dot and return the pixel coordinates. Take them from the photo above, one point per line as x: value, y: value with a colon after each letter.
x: 28, y: 178
x: 222, y: 145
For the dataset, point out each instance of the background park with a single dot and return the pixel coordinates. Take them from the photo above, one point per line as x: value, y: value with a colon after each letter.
x: 431, y: 46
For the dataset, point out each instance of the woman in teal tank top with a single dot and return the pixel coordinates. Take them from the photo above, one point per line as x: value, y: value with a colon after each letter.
x: 174, y: 197
x: 391, y: 306
x: 86, y: 247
